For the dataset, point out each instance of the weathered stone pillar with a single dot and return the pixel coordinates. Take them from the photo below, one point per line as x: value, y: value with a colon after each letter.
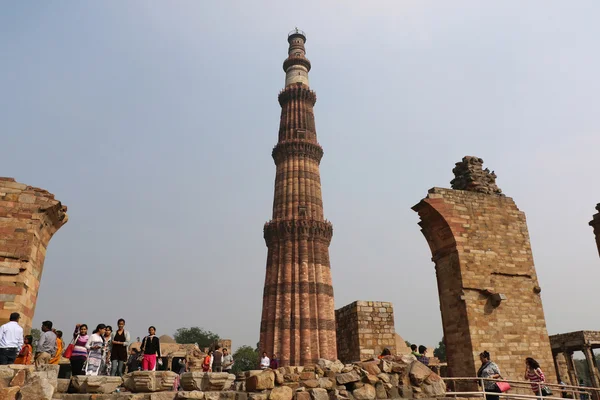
x: 488, y: 288
x: 560, y: 365
x: 573, y: 378
x: 589, y: 357
x: 28, y: 218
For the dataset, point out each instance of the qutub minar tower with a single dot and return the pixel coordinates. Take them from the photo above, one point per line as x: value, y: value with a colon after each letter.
x: 298, y: 316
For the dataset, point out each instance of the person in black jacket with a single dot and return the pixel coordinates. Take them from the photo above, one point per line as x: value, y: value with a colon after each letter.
x: 151, y: 350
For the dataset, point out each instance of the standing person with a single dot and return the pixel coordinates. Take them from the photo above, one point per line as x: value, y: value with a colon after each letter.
x: 79, y: 356
x: 106, y: 364
x: 118, y: 355
x: 489, y: 370
x: 150, y: 349
x: 95, y: 347
x: 11, y: 339
x: 274, y: 364
x: 423, y: 359
x: 207, y: 363
x: 264, y: 361
x: 534, y: 374
x: 26, y: 353
x: 46, y: 347
x: 59, y: 348
x: 227, y: 361
x: 217, y: 364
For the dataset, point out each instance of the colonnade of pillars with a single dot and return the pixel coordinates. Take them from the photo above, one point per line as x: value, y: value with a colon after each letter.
x: 572, y: 370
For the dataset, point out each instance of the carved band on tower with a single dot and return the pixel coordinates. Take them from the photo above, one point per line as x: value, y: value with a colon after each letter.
x: 298, y: 316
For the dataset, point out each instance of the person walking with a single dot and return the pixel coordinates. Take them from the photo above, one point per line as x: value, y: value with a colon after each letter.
x: 227, y: 361
x: 46, y: 347
x: 60, y: 345
x: 150, y: 349
x: 489, y: 370
x: 217, y: 364
x: 11, y: 339
x: 534, y: 374
x: 95, y: 348
x: 26, y: 354
x: 79, y: 355
x: 118, y: 355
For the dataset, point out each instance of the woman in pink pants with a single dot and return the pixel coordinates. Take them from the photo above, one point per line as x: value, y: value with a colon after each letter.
x: 150, y: 349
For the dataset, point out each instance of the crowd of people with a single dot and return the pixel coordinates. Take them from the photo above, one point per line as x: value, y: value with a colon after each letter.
x: 103, y: 352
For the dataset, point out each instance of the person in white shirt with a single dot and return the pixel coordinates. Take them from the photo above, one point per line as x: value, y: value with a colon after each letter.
x: 264, y: 361
x: 11, y: 340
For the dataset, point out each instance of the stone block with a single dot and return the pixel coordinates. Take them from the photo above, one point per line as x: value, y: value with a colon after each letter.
x: 156, y: 396
x: 96, y: 384
x: 326, y: 383
x: 366, y: 392
x: 62, y: 385
x: 302, y: 396
x: 37, y: 388
x: 149, y: 381
x: 207, y: 381
x: 19, y: 378
x: 318, y: 394
x: 263, y: 381
x: 257, y: 396
x: 188, y: 395
x: 348, y: 377
x: 372, y: 367
x: 281, y: 393
x: 306, y: 375
x: 9, y: 393
x: 380, y: 391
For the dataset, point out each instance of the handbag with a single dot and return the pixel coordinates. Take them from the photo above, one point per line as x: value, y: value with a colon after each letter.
x: 546, y: 391
x: 503, y: 386
x: 69, y: 350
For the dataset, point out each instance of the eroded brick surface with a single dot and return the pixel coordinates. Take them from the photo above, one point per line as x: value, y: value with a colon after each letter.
x: 29, y: 217
x: 488, y: 287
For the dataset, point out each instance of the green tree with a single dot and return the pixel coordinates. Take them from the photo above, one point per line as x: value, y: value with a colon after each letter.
x: 36, y: 333
x: 440, y: 351
x: 196, y: 335
x: 245, y: 358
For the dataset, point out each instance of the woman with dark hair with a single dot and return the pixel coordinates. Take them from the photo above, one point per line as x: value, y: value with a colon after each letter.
x: 107, y: 349
x: 534, y: 374
x: 150, y: 349
x: 24, y: 356
x: 79, y: 355
x: 118, y: 353
x: 489, y: 370
x: 95, y: 346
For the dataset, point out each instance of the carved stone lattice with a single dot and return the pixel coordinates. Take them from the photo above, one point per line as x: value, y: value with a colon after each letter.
x: 469, y: 175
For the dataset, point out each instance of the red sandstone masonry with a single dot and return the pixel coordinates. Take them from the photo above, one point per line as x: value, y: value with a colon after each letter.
x: 298, y: 320
x: 481, y: 250
x: 29, y: 217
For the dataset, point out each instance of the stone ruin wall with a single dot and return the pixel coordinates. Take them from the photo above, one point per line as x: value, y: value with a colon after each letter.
x: 29, y: 217
x: 364, y: 329
x: 488, y: 288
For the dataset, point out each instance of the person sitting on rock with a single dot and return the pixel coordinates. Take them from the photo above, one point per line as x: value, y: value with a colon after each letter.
x: 264, y: 361
x: 414, y: 351
x: 423, y: 358
x: 274, y: 364
x: 385, y: 352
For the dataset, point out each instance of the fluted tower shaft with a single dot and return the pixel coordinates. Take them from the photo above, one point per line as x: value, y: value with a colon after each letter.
x: 298, y: 317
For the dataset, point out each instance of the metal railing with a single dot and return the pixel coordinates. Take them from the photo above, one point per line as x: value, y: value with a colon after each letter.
x: 558, y: 391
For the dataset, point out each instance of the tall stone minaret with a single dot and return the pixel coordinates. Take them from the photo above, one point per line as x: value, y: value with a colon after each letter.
x: 298, y: 316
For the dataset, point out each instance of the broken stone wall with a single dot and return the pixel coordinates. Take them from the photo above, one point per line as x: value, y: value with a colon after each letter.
x: 364, y: 329
x: 489, y: 292
x: 28, y: 218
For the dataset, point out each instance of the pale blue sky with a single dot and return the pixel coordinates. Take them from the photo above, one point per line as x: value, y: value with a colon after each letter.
x: 154, y: 123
